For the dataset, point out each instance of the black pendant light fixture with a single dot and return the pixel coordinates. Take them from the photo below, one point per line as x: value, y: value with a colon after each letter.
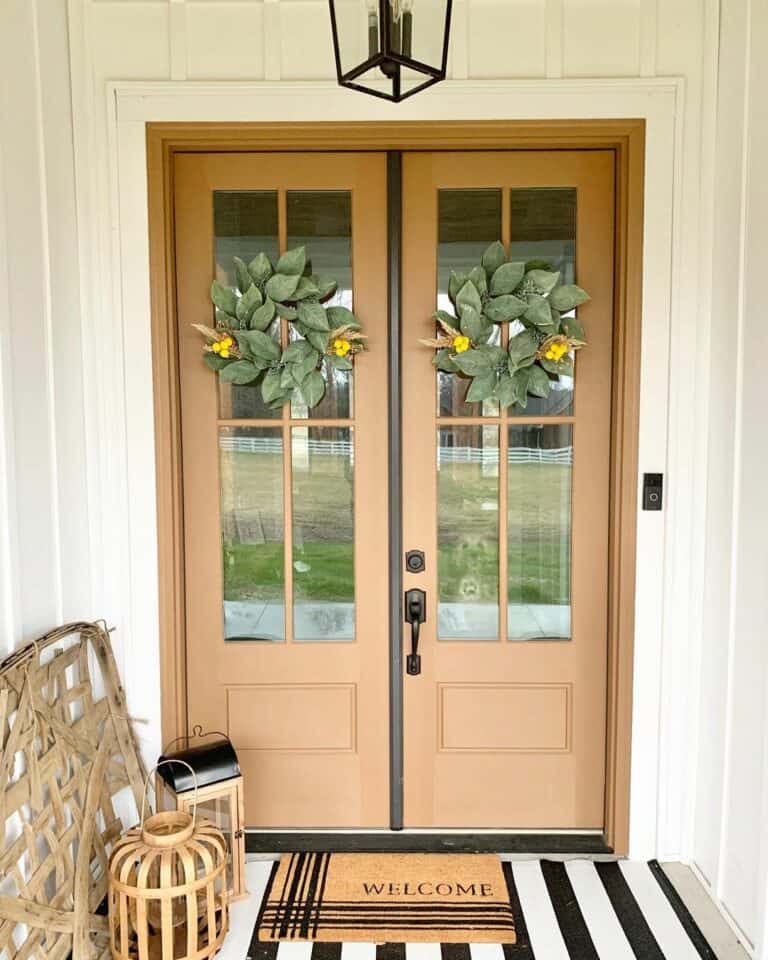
x: 390, y: 48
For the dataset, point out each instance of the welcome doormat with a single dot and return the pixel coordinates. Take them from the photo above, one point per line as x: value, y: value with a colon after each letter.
x: 389, y: 897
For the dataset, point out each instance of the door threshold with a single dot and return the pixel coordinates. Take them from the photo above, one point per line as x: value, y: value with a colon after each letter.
x: 447, y: 841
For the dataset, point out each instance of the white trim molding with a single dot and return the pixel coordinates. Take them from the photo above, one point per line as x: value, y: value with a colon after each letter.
x: 113, y: 203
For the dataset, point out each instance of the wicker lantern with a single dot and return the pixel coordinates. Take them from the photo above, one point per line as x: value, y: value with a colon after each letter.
x: 167, y: 889
x: 208, y: 781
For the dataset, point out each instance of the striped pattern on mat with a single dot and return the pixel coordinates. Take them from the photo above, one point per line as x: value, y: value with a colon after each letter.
x: 577, y: 910
x: 389, y: 897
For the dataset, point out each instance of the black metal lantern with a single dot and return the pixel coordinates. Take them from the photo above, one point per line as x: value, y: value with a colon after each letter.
x: 390, y: 48
x: 208, y: 780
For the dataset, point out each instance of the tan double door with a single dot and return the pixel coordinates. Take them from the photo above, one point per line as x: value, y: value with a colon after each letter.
x: 287, y: 519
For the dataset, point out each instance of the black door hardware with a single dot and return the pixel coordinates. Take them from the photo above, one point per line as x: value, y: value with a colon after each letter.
x: 414, y: 561
x: 653, y: 489
x: 415, y: 614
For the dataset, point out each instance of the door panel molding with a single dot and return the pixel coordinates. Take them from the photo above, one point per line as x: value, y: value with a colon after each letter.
x: 334, y: 701
x: 559, y: 741
x: 626, y: 138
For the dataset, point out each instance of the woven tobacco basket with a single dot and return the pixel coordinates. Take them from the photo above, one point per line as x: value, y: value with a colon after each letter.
x: 64, y: 758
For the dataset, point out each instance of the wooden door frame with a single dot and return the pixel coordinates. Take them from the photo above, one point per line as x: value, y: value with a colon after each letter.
x: 626, y: 138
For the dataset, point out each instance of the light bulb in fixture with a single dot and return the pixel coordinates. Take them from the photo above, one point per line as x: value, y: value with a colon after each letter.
x: 373, y: 27
x: 407, y: 10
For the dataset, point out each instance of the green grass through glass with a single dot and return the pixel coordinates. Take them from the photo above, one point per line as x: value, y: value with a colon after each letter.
x: 251, y: 472
x: 540, y: 467
x: 323, y: 533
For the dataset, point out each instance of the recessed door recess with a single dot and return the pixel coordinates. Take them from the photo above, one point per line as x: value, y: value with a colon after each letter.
x: 500, y: 719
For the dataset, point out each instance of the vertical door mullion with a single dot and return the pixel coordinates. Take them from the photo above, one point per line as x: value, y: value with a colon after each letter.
x: 282, y: 243
x: 288, y: 530
x: 282, y: 246
x: 394, y: 258
x: 506, y: 239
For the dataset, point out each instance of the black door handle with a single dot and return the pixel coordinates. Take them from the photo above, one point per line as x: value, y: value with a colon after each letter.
x: 415, y: 614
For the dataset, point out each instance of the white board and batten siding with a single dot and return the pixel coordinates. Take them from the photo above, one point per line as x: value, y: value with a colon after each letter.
x: 77, y: 535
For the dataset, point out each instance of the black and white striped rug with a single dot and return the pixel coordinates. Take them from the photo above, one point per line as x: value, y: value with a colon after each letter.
x: 576, y: 910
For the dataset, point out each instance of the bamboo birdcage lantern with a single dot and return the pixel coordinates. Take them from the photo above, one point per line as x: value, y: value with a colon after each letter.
x: 168, y: 894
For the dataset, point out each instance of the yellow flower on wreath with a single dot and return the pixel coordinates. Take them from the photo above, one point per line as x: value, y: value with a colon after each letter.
x: 222, y: 347
x: 557, y: 351
x: 557, y: 348
x: 449, y: 338
x: 345, y: 341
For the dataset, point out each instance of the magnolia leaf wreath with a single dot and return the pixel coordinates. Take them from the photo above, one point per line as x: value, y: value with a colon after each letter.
x: 542, y: 340
x: 242, y: 350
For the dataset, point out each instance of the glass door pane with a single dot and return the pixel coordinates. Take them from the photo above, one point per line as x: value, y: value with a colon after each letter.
x: 467, y: 222
x: 245, y: 224
x: 468, y: 532
x: 322, y: 222
x: 323, y: 533
x: 543, y: 227
x: 251, y: 471
x: 539, y: 474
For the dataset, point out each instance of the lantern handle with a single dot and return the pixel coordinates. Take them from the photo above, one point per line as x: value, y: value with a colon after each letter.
x: 197, y: 731
x: 149, y: 777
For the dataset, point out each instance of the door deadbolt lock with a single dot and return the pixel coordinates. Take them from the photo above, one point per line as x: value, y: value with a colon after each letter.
x: 414, y: 561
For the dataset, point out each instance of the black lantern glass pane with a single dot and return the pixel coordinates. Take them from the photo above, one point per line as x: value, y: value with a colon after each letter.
x: 373, y: 81
x: 419, y: 33
x: 412, y: 81
x: 218, y: 810
x: 352, y: 20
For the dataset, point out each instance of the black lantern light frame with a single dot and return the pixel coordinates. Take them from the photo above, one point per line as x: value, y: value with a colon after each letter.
x: 389, y: 50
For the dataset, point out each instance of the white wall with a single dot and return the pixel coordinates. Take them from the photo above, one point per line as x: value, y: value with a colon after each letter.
x: 730, y: 843
x: 68, y: 497
x: 45, y: 548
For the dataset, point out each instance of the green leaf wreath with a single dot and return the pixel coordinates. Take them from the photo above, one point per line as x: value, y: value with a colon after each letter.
x: 241, y: 349
x: 542, y: 340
